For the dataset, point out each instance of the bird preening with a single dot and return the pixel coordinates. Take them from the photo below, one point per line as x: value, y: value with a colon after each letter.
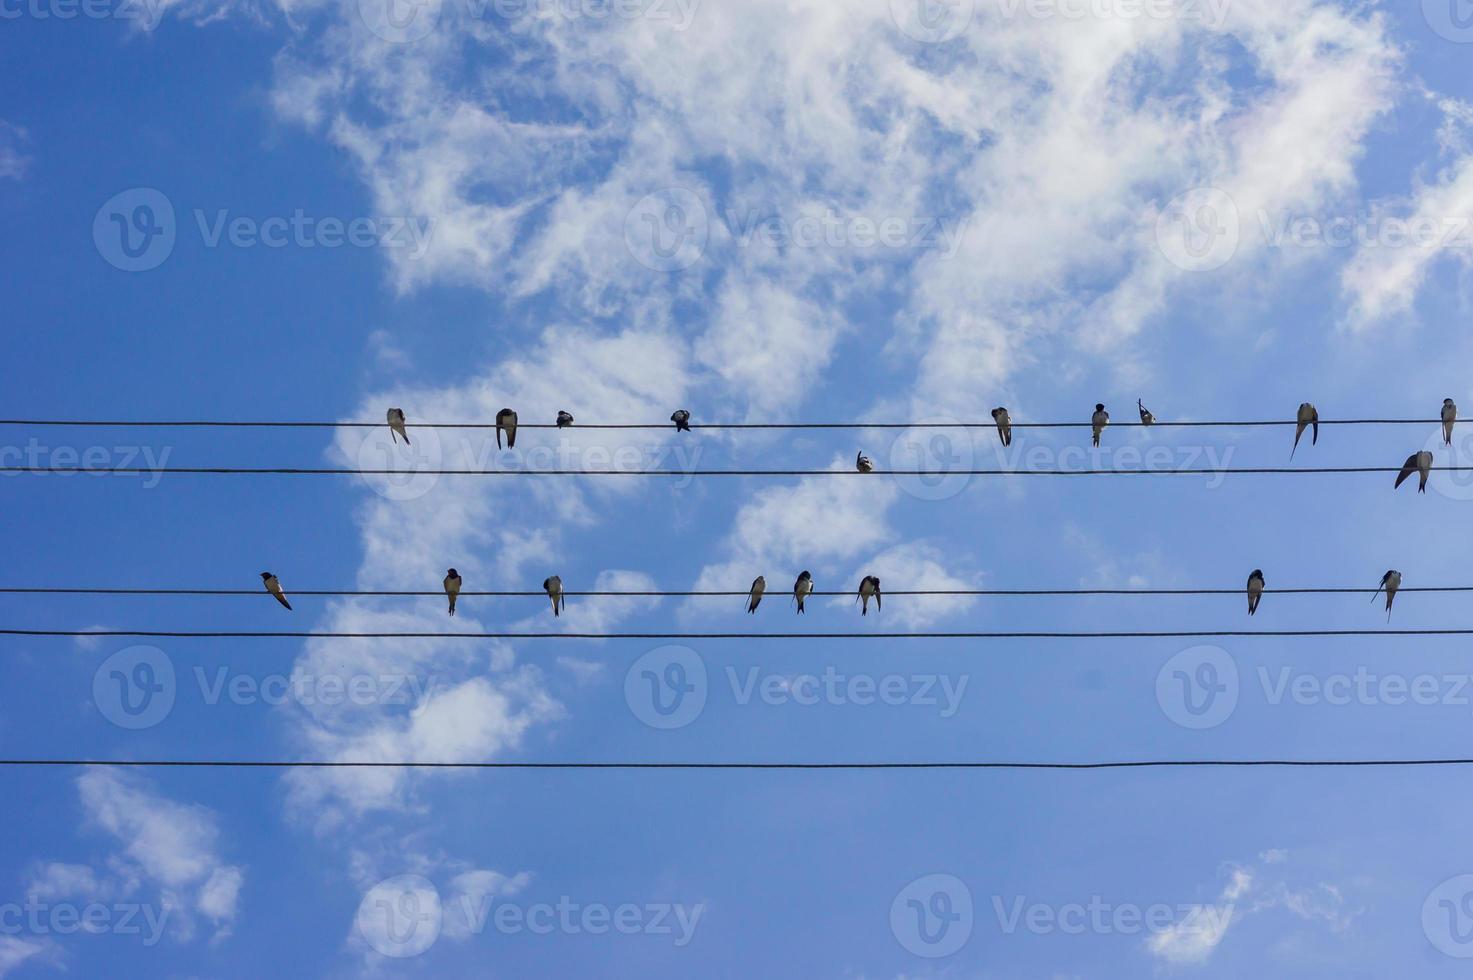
x: 506, y: 421
x: 1308, y: 417
x: 564, y: 420
x: 396, y: 426
x: 273, y: 585
x: 1004, y: 425
x: 869, y: 588
x: 864, y: 464
x: 1098, y: 421
x: 681, y: 419
x: 1391, y: 581
x: 802, y: 589
x: 452, y: 587
x: 1419, y: 463
x: 554, y: 588
x: 1255, y: 590
x: 759, y: 586
x: 1147, y: 419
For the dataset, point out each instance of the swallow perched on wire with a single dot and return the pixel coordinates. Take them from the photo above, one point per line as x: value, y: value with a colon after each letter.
x: 759, y: 586
x: 1391, y: 581
x: 554, y: 589
x: 1308, y: 416
x: 1419, y: 463
x: 869, y: 588
x: 681, y: 419
x: 1004, y: 425
x: 802, y: 589
x: 396, y: 425
x: 864, y: 464
x: 1147, y: 419
x: 273, y: 585
x: 452, y: 587
x: 1449, y: 419
x: 1098, y: 421
x: 506, y: 421
x: 564, y: 420
x: 1255, y: 590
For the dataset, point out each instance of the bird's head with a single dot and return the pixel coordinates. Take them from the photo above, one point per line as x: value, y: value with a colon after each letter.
x: 265, y: 576
x: 452, y: 573
x: 1100, y: 408
x: 1257, y: 573
x: 1447, y: 401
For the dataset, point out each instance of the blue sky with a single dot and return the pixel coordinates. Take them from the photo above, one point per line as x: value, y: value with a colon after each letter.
x: 760, y: 211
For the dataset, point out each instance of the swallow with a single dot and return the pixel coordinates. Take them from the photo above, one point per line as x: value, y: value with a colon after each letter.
x: 802, y: 589
x: 868, y: 588
x: 273, y: 585
x: 1004, y: 425
x: 759, y: 586
x: 864, y: 464
x: 1098, y: 421
x: 506, y: 421
x: 682, y: 420
x: 1391, y: 581
x: 1421, y: 464
x: 1255, y: 590
x: 1449, y: 419
x: 554, y: 589
x: 564, y: 420
x: 1147, y: 418
x: 1308, y: 416
x: 396, y: 424
x: 452, y: 587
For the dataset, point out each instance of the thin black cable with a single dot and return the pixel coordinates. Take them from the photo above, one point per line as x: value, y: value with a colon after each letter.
x: 686, y: 474
x: 1044, y: 635
x: 753, y: 766
x: 222, y: 424
x: 743, y: 593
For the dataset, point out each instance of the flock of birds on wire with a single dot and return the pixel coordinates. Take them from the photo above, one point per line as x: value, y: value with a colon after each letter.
x: 1307, y: 419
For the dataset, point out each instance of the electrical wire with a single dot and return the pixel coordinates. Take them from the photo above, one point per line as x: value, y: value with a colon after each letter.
x: 1042, y: 635
x: 225, y: 424
x: 743, y: 593
x: 156, y: 471
x: 753, y: 766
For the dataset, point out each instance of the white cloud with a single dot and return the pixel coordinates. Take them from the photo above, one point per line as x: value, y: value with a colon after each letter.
x: 15, y: 952
x: 170, y: 846
x: 13, y: 160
